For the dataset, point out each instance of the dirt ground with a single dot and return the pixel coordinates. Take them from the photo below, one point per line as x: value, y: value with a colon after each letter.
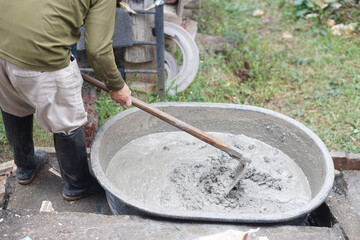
x: 5, y: 153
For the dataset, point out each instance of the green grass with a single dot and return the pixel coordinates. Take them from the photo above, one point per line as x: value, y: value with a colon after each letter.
x: 313, y: 78
x: 5, y: 153
x: 106, y: 107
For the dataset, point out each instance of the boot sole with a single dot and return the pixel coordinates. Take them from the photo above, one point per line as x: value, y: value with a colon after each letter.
x: 26, y: 182
x: 81, y: 196
x: 75, y: 198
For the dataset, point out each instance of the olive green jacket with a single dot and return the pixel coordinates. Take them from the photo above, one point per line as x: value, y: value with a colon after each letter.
x: 38, y: 34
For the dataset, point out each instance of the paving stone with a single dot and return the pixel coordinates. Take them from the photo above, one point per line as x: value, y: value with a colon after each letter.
x: 16, y: 224
x: 6, y: 167
x: 47, y: 186
x: 2, y: 188
x: 344, y: 203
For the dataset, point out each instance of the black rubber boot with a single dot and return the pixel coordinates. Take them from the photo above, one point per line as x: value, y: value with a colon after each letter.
x: 72, y: 158
x: 19, y: 132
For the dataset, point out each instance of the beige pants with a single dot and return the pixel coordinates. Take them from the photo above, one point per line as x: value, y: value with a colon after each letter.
x: 54, y: 97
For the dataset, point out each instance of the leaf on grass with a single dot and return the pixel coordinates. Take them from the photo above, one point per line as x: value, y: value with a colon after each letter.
x: 298, y: 2
x: 309, y: 4
x: 301, y: 12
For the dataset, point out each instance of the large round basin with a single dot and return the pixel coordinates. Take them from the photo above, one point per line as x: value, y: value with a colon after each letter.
x: 272, y: 128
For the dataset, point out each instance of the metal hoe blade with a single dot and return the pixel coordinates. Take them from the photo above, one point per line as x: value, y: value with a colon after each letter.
x: 243, y: 162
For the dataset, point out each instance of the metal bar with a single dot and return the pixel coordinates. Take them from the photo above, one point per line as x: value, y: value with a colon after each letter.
x: 124, y: 70
x: 159, y: 34
x: 144, y: 12
x: 140, y: 71
x: 143, y: 43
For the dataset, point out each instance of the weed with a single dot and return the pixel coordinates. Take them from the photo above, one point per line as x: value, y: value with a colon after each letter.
x: 303, y: 7
x: 5, y: 151
x: 2, y: 133
x: 339, y: 10
x: 106, y: 107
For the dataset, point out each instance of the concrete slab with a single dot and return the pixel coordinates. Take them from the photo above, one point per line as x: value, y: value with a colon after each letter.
x: 81, y: 219
x: 344, y: 202
x: 2, y: 188
x: 19, y: 224
x: 47, y: 186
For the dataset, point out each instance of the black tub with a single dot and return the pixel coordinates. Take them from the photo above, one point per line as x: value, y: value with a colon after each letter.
x: 275, y: 129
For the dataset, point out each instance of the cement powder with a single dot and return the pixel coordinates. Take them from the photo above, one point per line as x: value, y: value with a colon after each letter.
x: 175, y: 170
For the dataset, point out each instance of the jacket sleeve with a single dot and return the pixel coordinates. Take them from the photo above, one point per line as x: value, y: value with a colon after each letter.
x: 99, y: 29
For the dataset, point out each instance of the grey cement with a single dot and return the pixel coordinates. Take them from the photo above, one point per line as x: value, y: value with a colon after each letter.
x: 177, y: 171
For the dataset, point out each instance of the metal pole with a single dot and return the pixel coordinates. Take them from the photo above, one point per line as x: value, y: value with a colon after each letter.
x: 159, y: 34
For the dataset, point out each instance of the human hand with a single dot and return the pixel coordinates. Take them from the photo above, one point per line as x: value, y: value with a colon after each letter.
x: 122, y: 96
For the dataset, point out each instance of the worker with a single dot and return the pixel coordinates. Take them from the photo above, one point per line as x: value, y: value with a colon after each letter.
x: 38, y: 75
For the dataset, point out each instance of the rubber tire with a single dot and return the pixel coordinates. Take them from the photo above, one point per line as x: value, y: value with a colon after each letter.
x: 186, y: 74
x: 171, y: 66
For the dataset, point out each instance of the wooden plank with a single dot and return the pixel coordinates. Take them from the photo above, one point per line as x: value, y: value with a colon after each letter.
x: 188, y: 13
x: 180, y: 7
x: 217, y: 43
x: 6, y: 167
x: 193, y: 4
x: 346, y: 161
x: 142, y: 25
x: 2, y: 189
x: 191, y: 27
x: 170, y: 14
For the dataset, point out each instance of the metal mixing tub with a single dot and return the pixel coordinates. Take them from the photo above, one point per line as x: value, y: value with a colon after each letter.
x: 273, y: 128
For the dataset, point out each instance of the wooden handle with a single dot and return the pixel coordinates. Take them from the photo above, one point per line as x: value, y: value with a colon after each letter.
x: 165, y: 117
x: 180, y: 124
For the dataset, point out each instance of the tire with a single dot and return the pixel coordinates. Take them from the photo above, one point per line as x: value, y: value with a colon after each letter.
x: 185, y: 74
x: 171, y: 66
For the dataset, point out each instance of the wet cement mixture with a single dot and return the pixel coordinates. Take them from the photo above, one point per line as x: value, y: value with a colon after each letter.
x: 177, y: 171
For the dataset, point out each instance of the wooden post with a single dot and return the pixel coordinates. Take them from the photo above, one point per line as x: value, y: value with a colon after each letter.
x: 193, y: 4
x: 141, y: 31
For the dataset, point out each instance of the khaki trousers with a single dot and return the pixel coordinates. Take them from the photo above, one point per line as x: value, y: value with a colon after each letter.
x: 54, y: 97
